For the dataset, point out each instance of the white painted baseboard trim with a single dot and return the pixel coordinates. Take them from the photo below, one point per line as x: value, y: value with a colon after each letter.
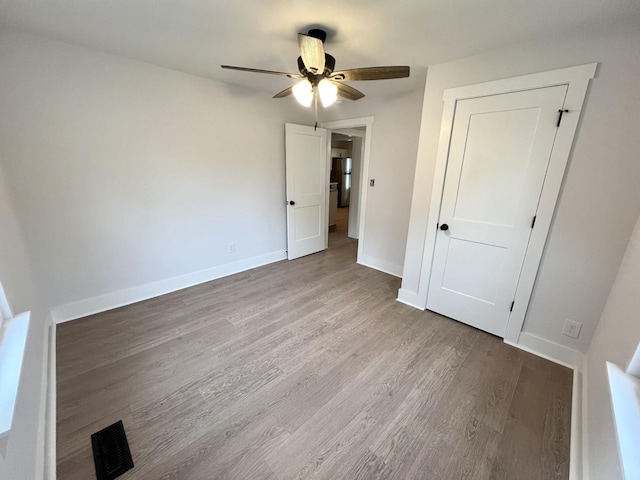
x: 409, y: 298
x: 575, y: 453
x: 551, y: 351
x: 381, y: 265
x: 109, y: 301
x: 50, y: 417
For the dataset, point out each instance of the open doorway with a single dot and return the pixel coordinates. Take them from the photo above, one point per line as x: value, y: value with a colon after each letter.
x: 344, y: 192
x: 348, y: 139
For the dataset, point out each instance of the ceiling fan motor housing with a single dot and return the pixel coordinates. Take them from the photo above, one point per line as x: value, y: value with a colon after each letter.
x: 329, y: 66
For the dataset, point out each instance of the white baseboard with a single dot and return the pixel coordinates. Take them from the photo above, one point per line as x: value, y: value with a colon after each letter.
x: 549, y: 350
x: 576, y: 448
x: 409, y: 298
x: 50, y: 417
x: 381, y: 265
x: 109, y: 301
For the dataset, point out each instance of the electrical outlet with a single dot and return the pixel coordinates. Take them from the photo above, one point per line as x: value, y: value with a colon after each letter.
x: 231, y: 247
x: 572, y: 328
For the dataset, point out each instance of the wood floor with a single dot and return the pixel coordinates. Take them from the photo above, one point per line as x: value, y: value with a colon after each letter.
x: 306, y: 369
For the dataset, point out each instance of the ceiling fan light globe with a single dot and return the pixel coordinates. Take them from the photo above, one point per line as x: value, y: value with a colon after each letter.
x: 303, y: 91
x: 328, y: 92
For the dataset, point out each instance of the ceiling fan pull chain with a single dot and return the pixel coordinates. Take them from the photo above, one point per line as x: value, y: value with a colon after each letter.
x: 315, y: 101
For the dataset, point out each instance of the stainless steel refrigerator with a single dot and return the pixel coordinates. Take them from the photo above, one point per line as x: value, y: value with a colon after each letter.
x: 341, y: 173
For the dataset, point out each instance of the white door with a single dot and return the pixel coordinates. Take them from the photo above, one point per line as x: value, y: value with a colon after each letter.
x: 307, y: 189
x: 499, y: 152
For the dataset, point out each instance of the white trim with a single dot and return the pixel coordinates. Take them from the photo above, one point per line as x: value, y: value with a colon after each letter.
x: 41, y: 445
x: 549, y: 350
x: 625, y: 402
x: 109, y: 301
x: 434, y: 205
x: 352, y: 132
x: 13, y: 342
x: 549, y: 78
x: 366, y: 122
x: 623, y: 390
x: 381, y: 265
x: 5, y: 309
x: 409, y: 298
x: 575, y: 453
x: 584, y: 410
x: 50, y: 417
x: 577, y: 80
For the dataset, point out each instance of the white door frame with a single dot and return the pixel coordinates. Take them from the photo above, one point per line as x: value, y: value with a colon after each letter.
x: 577, y: 79
x: 366, y: 122
x: 356, y: 172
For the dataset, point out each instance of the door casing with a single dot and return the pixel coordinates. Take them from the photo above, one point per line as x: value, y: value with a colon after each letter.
x: 338, y: 125
x: 577, y: 80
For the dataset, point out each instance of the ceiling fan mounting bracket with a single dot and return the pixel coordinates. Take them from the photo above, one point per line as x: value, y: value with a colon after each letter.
x: 318, y: 33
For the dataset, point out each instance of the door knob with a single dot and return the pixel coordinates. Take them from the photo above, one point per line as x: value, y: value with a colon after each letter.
x: 444, y: 227
x: 291, y: 202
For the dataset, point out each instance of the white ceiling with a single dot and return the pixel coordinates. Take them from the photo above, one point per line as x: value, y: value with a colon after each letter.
x: 196, y: 36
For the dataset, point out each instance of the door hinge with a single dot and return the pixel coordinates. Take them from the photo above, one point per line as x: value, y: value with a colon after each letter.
x: 533, y: 222
x: 561, y: 112
x: 511, y: 309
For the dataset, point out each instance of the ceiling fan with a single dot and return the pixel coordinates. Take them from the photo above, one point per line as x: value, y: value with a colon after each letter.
x: 317, y: 73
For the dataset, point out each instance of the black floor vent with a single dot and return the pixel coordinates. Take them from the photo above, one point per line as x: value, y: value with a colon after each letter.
x: 111, y: 452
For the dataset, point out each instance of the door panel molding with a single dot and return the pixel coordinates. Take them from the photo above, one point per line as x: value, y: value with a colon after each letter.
x: 577, y: 81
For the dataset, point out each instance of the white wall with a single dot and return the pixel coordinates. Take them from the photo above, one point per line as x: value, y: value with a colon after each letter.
x: 128, y: 175
x: 394, y: 143
x: 615, y: 340
x: 23, y: 456
x: 600, y: 200
x: 125, y: 173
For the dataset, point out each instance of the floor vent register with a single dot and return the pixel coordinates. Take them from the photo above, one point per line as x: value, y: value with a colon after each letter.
x: 111, y: 453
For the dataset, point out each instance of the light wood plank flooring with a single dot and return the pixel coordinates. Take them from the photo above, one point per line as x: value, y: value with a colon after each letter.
x: 307, y: 369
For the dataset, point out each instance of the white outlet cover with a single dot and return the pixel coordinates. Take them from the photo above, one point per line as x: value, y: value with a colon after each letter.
x: 571, y: 328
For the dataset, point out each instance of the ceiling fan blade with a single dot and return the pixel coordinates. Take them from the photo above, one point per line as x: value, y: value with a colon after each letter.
x: 256, y: 70
x: 348, y: 92
x: 312, y: 53
x: 284, y: 93
x: 371, y: 73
